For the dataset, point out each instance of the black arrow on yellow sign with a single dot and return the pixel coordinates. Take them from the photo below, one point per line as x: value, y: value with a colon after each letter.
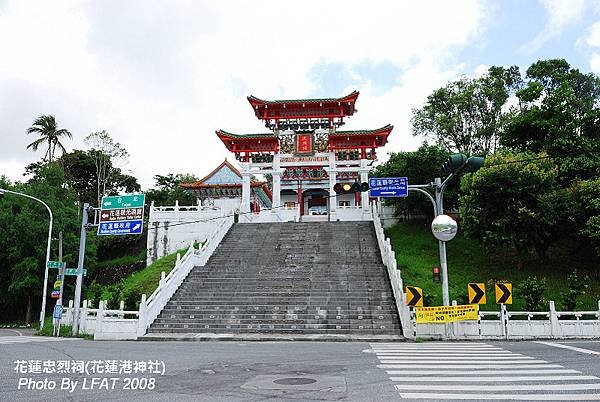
x: 504, y: 293
x: 477, y: 293
x: 414, y: 296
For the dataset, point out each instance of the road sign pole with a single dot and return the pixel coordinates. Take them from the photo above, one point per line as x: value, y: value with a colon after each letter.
x: 439, y: 204
x: 82, y: 237
x: 61, y: 270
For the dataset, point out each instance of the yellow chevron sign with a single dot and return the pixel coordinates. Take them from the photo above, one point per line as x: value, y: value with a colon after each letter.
x: 503, y: 293
x: 476, y: 293
x: 414, y: 296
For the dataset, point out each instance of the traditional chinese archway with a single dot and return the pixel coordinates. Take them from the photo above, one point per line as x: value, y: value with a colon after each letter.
x: 307, y: 154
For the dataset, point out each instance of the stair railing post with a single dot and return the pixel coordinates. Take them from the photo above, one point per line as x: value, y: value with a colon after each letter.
x: 141, y: 329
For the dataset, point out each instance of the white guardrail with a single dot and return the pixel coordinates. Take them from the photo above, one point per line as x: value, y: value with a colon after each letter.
x: 120, y: 324
x: 501, y: 324
x: 151, y: 307
x: 388, y: 257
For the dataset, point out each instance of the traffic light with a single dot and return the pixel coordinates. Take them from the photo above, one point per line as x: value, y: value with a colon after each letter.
x: 349, y: 188
x: 454, y: 163
x: 458, y: 162
x: 475, y: 163
x: 436, y: 274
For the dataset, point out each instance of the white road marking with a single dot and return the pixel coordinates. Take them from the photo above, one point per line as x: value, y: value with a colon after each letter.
x: 438, y: 358
x: 573, y: 348
x: 512, y: 387
x: 391, y: 364
x: 496, y: 378
x: 469, y: 362
x: 446, y: 354
x: 8, y: 340
x: 481, y: 372
x: 504, y: 397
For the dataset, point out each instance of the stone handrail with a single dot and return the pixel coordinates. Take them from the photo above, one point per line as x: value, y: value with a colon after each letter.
x: 388, y: 257
x: 151, y: 307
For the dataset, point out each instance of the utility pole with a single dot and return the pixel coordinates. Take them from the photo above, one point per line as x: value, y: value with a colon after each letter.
x: 82, y: 238
x: 62, y: 270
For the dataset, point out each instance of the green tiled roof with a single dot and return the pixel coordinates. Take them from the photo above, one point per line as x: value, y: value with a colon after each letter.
x: 362, y: 132
x: 258, y: 135
x: 279, y: 101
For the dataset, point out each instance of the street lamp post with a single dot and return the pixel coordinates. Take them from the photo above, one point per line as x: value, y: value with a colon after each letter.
x: 43, y: 312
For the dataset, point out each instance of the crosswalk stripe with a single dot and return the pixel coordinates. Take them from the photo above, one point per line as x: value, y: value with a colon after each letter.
x: 445, y: 344
x: 391, y: 364
x: 496, y: 378
x: 512, y: 387
x: 435, y: 350
x: 451, y: 353
x: 477, y: 363
x: 437, y: 358
x: 486, y: 348
x: 479, y: 372
x: 520, y: 397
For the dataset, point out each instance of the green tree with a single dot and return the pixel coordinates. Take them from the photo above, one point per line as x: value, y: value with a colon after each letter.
x: 558, y: 113
x: 108, y: 156
x: 467, y: 115
x: 23, y: 235
x: 47, y: 128
x: 168, y: 189
x: 504, y: 203
x: 81, y: 172
x: 420, y: 167
x: 587, y: 196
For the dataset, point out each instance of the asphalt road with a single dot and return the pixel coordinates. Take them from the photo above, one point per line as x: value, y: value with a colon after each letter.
x: 257, y: 371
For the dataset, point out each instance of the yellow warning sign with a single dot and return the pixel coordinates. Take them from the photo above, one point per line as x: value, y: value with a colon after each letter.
x: 504, y: 293
x: 414, y: 296
x: 476, y: 293
x: 445, y: 314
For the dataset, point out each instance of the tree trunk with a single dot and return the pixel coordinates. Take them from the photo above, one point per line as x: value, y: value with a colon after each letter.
x: 28, y: 312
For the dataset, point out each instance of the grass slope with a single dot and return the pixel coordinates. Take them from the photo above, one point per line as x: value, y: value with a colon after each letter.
x: 417, y: 252
x: 130, y: 289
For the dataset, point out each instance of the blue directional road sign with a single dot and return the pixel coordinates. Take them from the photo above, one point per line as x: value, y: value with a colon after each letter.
x: 122, y: 215
x: 388, y: 187
x: 120, y: 227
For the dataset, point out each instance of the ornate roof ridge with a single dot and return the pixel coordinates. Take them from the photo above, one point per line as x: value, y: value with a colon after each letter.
x: 387, y: 127
x: 354, y: 94
x: 255, y: 135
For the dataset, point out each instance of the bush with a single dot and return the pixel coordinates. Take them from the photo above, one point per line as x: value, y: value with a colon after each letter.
x: 577, y: 287
x: 532, y: 291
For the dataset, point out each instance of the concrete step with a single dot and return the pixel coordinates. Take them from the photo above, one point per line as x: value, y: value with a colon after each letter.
x: 288, y: 279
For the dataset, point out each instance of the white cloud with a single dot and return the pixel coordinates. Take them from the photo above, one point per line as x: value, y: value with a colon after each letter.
x: 161, y: 77
x: 590, y: 44
x: 560, y: 15
x: 595, y: 62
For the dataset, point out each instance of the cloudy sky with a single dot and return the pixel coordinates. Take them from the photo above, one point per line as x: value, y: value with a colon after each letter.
x: 162, y: 76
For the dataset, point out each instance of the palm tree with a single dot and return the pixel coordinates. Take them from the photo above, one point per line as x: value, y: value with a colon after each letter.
x: 46, y: 127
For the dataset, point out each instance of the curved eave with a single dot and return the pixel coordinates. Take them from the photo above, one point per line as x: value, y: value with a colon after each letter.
x: 254, y: 101
x: 380, y: 134
x: 224, y: 134
x: 230, y: 139
x: 201, y: 186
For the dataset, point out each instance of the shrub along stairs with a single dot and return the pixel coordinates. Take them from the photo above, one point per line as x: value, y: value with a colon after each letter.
x: 288, y: 280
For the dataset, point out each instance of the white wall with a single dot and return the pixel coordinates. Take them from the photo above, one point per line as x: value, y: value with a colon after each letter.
x: 177, y: 227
